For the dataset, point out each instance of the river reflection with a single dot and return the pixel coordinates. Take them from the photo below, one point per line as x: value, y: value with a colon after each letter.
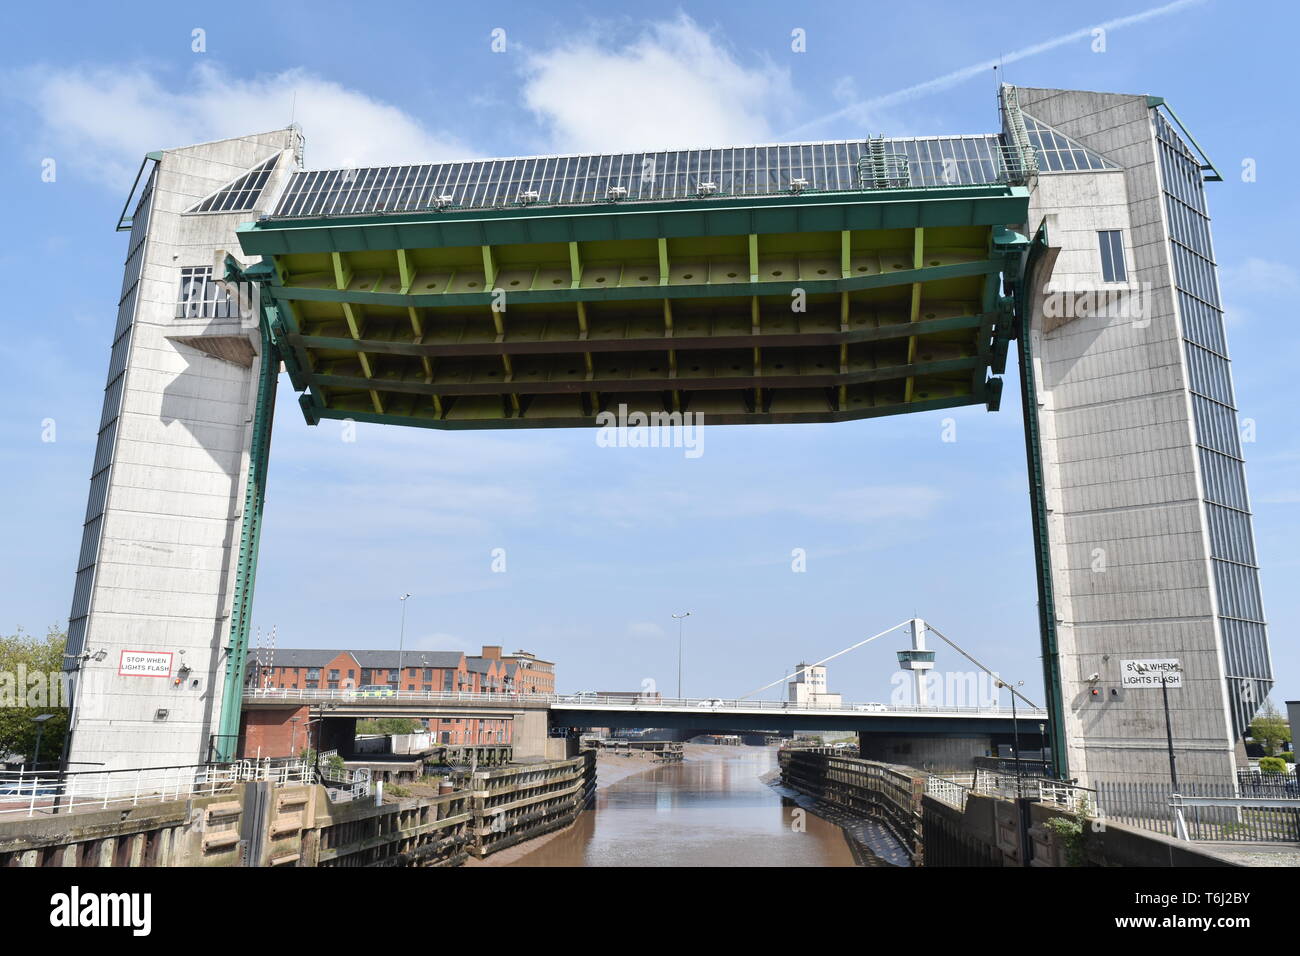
x: 712, y: 809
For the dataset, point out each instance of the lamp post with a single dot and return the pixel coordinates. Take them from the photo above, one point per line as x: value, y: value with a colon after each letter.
x: 680, y: 619
x: 401, y: 643
x: 39, y: 721
x: 1015, y: 729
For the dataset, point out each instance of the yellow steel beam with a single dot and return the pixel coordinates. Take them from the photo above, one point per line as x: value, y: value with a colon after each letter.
x: 844, y: 346
x: 663, y: 261
x: 753, y: 257
x: 356, y: 325
x: 918, y: 260
x: 342, y: 271
x: 355, y: 321
x: 490, y: 268
x: 846, y: 254
x: 405, y: 270
x: 756, y: 327
x: 575, y: 265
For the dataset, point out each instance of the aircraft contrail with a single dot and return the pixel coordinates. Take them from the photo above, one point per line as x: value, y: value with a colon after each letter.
x: 965, y: 73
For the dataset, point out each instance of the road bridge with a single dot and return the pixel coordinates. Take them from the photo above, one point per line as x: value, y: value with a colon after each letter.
x: 539, y: 718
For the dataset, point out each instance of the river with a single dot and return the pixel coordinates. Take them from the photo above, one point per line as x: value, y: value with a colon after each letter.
x: 712, y: 809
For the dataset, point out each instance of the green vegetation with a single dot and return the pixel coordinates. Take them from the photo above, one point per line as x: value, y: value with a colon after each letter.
x: 1270, y: 729
x: 397, y: 790
x: 331, y: 763
x: 31, y: 684
x: 1272, y: 765
x: 390, y: 725
x: 1069, y: 831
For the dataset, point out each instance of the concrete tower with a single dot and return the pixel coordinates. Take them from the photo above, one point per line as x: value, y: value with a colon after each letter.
x: 154, y: 588
x: 1147, y: 516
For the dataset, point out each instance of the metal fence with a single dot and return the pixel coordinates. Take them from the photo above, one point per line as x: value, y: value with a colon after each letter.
x: 26, y: 793
x: 947, y: 791
x: 1263, y: 810
x: 1213, y: 812
x: 1255, y: 783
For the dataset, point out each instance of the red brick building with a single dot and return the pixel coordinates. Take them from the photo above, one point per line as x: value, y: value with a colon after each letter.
x: 277, y: 733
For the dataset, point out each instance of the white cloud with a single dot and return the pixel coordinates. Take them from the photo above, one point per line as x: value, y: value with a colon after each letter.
x: 674, y: 85
x: 104, y: 120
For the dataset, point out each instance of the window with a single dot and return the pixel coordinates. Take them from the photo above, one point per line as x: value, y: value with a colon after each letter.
x: 202, y: 298
x: 428, y: 673
x: 1112, y: 256
x: 240, y: 194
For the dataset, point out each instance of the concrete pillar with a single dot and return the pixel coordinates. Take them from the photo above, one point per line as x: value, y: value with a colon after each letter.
x: 531, y: 733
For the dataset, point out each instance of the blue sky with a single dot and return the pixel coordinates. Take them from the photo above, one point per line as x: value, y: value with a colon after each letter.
x: 602, y: 545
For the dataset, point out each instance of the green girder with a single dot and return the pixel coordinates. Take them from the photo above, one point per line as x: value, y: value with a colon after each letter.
x: 226, y: 739
x: 1055, y: 705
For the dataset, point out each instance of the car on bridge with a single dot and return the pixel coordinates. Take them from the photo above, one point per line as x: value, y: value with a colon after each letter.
x: 375, y: 690
x: 711, y: 702
x: 872, y: 708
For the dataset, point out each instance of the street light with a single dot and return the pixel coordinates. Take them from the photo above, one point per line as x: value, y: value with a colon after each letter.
x: 680, y: 619
x: 1015, y: 729
x: 401, y: 644
x: 39, y: 721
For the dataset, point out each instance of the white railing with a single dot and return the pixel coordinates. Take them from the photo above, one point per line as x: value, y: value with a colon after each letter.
x: 622, y: 702
x: 29, y: 793
x: 346, y: 784
x: 947, y: 791
x: 1066, y: 796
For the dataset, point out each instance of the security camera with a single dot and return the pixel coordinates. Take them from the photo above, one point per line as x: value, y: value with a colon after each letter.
x: 1094, y: 677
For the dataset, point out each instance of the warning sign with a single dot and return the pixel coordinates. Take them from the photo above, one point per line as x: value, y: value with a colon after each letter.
x: 1152, y: 673
x: 145, y: 664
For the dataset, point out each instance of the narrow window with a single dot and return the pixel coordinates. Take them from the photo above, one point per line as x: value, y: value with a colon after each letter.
x: 1111, y: 243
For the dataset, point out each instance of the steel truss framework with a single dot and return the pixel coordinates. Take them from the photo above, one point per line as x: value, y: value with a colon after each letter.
x: 812, y: 308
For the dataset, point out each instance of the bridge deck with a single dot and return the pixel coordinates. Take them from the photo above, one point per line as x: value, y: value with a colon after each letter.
x: 704, y: 713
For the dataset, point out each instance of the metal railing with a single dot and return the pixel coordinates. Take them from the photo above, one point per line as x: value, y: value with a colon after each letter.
x: 344, y: 785
x: 1202, y: 811
x: 1066, y: 796
x: 573, y: 701
x: 26, y: 793
x: 947, y: 791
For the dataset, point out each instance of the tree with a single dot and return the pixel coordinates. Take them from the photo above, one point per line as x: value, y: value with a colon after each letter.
x: 1270, y: 729
x: 390, y: 725
x: 32, y: 682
